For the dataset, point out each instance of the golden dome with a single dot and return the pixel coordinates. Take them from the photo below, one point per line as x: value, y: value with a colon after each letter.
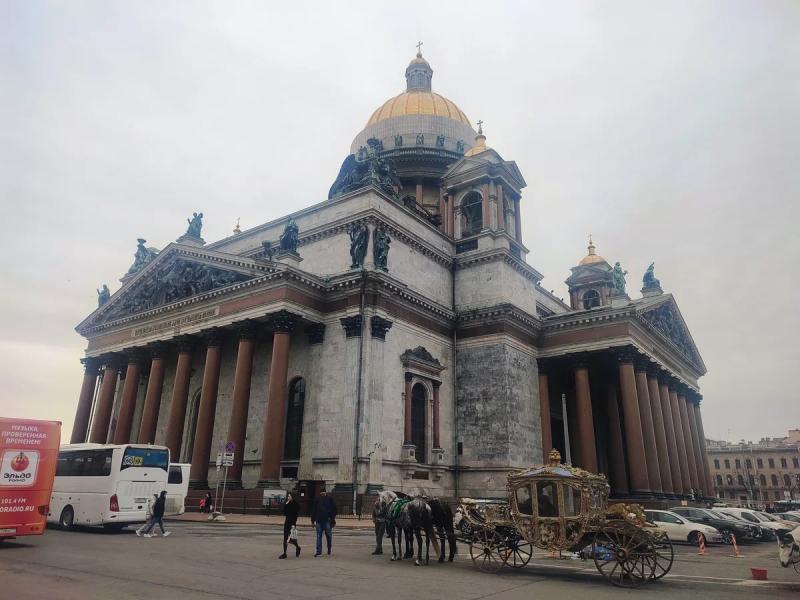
x: 591, y: 258
x: 418, y: 102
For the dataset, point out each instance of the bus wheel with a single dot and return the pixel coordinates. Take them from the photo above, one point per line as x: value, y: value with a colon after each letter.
x: 67, y: 518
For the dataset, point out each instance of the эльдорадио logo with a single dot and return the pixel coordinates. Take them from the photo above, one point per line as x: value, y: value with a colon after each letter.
x: 18, y: 468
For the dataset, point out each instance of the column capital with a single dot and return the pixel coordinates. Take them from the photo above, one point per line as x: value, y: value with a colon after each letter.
x: 408, y: 376
x: 283, y: 321
x: 246, y: 330
x: 135, y: 356
x: 114, y: 360
x: 91, y: 364
x: 641, y: 363
x: 436, y: 385
x: 213, y: 337
x: 315, y: 333
x: 158, y: 350
x: 579, y: 360
x: 379, y: 326
x: 352, y: 326
x: 545, y: 365
x: 653, y: 369
x: 185, y: 343
x: 625, y: 354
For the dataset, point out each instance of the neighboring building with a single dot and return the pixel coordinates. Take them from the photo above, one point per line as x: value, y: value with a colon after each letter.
x: 394, y: 336
x: 756, y: 474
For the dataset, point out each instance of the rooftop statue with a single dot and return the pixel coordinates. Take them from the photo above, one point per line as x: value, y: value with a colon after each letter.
x: 619, y: 279
x: 380, y: 248
x: 142, y: 256
x: 289, y: 237
x: 103, y: 295
x: 649, y: 281
x: 195, y: 225
x: 359, y: 238
x: 367, y: 168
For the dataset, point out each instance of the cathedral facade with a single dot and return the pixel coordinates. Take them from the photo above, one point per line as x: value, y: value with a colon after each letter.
x: 393, y: 336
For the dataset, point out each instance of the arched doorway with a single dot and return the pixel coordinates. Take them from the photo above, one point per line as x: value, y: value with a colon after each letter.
x: 419, y: 409
x: 190, y: 428
x: 294, y: 419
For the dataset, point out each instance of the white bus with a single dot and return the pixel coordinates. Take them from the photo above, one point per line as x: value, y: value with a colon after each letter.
x: 106, y: 484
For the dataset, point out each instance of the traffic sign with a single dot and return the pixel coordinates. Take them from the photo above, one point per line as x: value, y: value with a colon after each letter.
x: 219, y: 459
x: 230, y: 447
x: 228, y: 456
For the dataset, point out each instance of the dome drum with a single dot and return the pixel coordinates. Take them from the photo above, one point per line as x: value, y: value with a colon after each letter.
x: 417, y: 130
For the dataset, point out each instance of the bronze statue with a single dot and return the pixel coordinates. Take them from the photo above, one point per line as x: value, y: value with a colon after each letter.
x: 267, y: 251
x: 380, y: 248
x: 142, y: 256
x: 649, y: 280
x: 103, y: 295
x: 195, y: 225
x: 619, y: 279
x: 290, y: 237
x: 359, y: 238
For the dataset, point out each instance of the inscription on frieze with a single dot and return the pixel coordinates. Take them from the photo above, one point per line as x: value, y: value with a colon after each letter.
x: 176, y: 324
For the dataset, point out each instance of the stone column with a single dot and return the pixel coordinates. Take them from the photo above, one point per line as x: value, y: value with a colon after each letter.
x: 374, y: 408
x: 105, y: 402
x: 80, y: 427
x: 237, y: 425
x: 407, y: 411
x: 486, y: 212
x: 456, y: 222
x: 634, y: 439
x: 436, y: 444
x: 122, y: 434
x: 703, y: 452
x: 283, y: 323
x: 698, y: 457
x: 660, y: 430
x: 648, y: 428
x: 152, y: 397
x: 686, y: 481
x: 204, y: 431
x: 671, y: 435
x: 493, y: 223
x: 687, y: 435
x: 618, y: 477
x: 544, y: 409
x: 180, y: 396
x: 584, y: 418
x: 517, y: 221
x: 501, y: 217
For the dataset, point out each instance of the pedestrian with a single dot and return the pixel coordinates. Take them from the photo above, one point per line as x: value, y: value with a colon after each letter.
x: 379, y: 516
x: 208, y: 503
x: 290, y: 512
x: 323, y: 518
x: 158, y: 516
x: 148, y: 515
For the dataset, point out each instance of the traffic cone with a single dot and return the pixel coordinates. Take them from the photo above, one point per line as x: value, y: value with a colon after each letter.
x: 702, y: 544
x: 735, y: 547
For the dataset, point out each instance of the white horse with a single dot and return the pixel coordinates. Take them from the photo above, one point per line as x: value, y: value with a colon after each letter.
x: 789, y: 552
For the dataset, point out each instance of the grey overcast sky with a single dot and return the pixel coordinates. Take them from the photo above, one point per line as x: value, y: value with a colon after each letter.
x: 670, y: 130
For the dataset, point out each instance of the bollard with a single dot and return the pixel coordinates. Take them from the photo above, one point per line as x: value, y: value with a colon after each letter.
x: 702, y: 544
x: 735, y: 547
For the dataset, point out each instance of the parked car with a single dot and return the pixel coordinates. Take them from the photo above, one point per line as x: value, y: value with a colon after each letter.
x: 680, y: 529
x: 756, y: 533
x: 769, y: 529
x: 726, y: 527
x: 788, y: 516
x: 786, y: 525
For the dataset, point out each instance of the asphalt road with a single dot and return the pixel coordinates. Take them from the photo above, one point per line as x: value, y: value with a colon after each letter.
x: 206, y: 561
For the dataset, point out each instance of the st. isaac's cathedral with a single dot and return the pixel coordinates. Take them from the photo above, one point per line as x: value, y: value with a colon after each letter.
x: 394, y: 336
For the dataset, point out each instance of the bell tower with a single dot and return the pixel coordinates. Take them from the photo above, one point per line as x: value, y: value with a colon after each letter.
x: 592, y: 281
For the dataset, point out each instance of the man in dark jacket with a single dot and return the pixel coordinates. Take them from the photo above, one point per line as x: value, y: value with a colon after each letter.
x: 158, y: 516
x: 323, y: 518
x: 379, y: 516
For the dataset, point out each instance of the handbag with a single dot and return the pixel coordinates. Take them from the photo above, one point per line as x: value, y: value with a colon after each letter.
x: 293, y: 533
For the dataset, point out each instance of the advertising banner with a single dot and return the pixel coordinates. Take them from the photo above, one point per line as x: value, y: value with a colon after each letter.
x: 28, y: 456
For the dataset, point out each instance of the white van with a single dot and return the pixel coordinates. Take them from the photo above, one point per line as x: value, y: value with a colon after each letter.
x: 106, y: 484
x: 177, y: 488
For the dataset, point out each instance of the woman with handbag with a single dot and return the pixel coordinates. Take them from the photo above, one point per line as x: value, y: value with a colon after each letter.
x: 290, y: 512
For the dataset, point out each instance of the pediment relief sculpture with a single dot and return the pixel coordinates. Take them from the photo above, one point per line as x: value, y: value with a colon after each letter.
x: 666, y: 321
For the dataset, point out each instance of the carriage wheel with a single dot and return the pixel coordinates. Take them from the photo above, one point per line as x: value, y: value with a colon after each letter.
x: 519, y: 553
x: 624, y: 555
x: 487, y: 551
x: 664, y: 555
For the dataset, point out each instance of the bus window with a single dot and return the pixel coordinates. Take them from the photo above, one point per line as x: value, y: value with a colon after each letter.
x: 145, y: 457
x: 175, y: 475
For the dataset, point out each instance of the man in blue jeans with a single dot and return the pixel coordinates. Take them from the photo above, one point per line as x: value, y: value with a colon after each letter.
x: 323, y: 518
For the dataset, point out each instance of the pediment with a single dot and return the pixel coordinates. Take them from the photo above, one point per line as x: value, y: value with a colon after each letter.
x: 177, y: 274
x: 489, y: 161
x: 665, y: 319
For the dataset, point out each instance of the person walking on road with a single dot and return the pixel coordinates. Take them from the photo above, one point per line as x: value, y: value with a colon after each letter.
x: 148, y: 515
x: 290, y: 511
x: 158, y: 516
x: 379, y: 516
x: 323, y: 518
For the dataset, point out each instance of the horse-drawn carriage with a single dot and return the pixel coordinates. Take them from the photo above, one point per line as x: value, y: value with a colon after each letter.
x: 558, y: 507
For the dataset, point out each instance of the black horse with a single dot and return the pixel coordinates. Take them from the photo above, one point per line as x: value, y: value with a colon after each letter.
x: 442, y: 516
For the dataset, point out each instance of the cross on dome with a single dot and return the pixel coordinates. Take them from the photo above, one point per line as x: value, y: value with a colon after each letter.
x: 419, y: 49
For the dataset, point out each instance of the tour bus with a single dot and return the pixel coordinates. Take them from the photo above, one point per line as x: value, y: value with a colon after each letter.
x: 106, y: 484
x: 28, y: 451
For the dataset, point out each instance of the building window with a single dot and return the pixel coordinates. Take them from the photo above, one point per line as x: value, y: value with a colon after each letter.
x: 472, y: 209
x: 294, y: 419
x: 591, y: 299
x: 796, y: 463
x: 787, y: 482
x: 719, y: 479
x: 771, y: 463
x: 783, y: 463
x: 748, y: 463
x: 741, y: 480
x: 763, y: 479
x: 727, y: 464
x: 716, y: 463
x: 730, y: 479
x: 774, y: 480
x: 738, y: 464
x: 419, y: 409
x: 778, y: 496
x: 760, y: 463
x: 752, y: 480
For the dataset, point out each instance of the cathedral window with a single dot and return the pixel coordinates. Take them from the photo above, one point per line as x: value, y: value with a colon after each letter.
x: 294, y: 419
x: 591, y: 299
x: 419, y: 410
x: 472, y: 209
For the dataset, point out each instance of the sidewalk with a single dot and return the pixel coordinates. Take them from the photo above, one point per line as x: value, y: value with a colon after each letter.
x: 342, y: 522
